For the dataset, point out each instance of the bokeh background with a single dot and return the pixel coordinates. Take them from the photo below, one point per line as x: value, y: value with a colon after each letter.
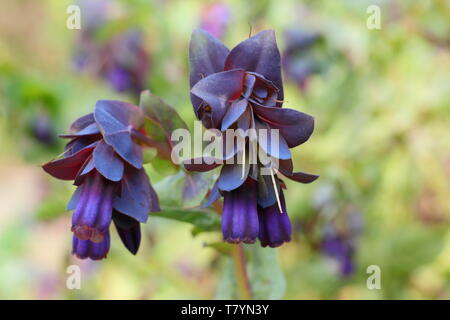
x: 381, y: 100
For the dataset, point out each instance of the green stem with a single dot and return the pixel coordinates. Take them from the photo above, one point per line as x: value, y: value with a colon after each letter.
x: 240, y: 268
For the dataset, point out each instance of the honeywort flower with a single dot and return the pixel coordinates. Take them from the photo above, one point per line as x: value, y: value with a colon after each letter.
x: 242, y: 89
x: 104, y: 158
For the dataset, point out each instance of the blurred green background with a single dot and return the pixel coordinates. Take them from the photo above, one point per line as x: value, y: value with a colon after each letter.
x: 381, y: 100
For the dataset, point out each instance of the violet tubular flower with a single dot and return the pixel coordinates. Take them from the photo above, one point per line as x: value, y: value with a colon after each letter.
x: 242, y: 89
x: 104, y: 158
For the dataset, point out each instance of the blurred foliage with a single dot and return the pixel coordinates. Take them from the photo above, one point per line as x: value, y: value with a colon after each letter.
x: 382, y: 145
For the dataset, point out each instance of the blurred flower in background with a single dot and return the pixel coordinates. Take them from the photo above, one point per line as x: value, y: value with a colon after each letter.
x: 215, y: 19
x: 340, y: 240
x: 118, y: 57
x: 299, y: 60
x: 342, y: 227
x: 42, y: 129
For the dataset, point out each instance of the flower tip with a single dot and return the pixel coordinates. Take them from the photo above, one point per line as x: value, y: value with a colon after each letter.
x: 238, y: 240
x: 274, y: 244
x: 88, y: 233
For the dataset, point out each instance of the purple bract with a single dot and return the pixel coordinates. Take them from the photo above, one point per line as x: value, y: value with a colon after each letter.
x: 242, y: 89
x: 104, y: 158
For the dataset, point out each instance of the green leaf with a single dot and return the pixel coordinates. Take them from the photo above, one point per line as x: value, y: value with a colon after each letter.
x: 266, y: 277
x: 202, y: 220
x: 221, y: 247
x: 227, y: 286
x: 161, y: 117
x: 196, y: 186
x: 148, y: 155
x: 184, y: 189
x: 169, y: 190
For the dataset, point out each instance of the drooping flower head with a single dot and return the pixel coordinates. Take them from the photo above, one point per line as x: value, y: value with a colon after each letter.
x: 104, y: 158
x: 242, y: 89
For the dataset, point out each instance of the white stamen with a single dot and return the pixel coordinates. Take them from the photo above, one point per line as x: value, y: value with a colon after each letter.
x: 243, y: 162
x: 276, y: 190
x: 62, y: 154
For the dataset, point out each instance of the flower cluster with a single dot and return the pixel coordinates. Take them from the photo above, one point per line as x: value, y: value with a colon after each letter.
x: 104, y: 158
x: 242, y: 89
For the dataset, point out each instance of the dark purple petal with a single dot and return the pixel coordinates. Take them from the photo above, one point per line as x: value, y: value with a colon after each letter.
x: 286, y: 167
x: 240, y: 217
x: 249, y: 82
x: 126, y: 148
x: 82, y: 123
x: 87, y: 167
x: 206, y: 56
x: 244, y: 122
x: 93, y: 211
x: 266, y: 191
x: 301, y: 177
x: 77, y: 144
x: 202, y: 164
x: 229, y: 146
x: 137, y: 198
x: 84, y: 249
x: 219, y: 90
x: 233, y: 113
x: 274, y: 226
x: 129, y: 231
x: 296, y: 127
x: 258, y: 54
x: 67, y: 168
x: 268, y: 142
x: 107, y: 163
x: 231, y: 176
x: 75, y: 198
x: 117, y: 120
x: 91, y: 129
x: 264, y: 91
